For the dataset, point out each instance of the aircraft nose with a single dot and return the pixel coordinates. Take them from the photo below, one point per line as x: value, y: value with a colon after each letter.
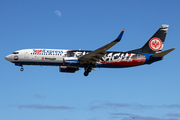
x: 8, y: 58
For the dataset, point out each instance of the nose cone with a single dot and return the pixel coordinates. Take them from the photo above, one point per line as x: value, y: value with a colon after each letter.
x: 8, y: 58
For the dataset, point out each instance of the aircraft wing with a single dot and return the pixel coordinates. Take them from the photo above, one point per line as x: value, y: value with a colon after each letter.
x: 97, y: 54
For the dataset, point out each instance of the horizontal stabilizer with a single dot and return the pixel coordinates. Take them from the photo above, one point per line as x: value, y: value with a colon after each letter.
x: 162, y: 54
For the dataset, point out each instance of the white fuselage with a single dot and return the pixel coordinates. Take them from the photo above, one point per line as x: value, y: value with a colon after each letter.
x: 35, y: 57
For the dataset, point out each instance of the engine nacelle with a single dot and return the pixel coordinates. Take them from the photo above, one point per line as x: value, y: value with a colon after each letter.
x: 68, y: 69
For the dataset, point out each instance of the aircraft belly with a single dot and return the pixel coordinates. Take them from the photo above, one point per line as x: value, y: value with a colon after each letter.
x: 39, y: 63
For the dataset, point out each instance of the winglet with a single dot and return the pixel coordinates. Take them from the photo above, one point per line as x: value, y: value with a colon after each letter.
x: 119, y: 36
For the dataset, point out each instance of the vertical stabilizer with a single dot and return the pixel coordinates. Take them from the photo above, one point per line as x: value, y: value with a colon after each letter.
x: 156, y: 42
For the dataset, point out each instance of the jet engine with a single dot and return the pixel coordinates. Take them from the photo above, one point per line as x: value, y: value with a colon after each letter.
x: 68, y: 69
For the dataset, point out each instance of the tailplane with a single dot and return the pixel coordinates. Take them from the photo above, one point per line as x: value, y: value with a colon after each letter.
x: 156, y: 42
x: 162, y: 54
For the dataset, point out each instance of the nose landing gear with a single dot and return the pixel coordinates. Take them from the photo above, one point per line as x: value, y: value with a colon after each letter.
x: 17, y: 64
x: 21, y: 69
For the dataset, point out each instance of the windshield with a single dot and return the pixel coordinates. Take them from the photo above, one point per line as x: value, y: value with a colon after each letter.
x: 15, y: 53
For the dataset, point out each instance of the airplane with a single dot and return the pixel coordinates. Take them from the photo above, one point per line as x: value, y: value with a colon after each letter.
x: 69, y: 61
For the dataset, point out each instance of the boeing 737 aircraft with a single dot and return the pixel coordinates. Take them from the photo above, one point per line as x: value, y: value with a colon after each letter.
x: 69, y: 61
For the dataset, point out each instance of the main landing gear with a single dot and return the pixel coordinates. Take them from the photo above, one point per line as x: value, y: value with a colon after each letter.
x: 17, y: 64
x: 87, y: 71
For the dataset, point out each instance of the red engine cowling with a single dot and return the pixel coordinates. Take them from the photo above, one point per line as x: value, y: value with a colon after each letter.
x: 68, y: 69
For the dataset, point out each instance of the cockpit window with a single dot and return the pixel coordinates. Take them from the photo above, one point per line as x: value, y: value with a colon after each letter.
x: 15, y: 53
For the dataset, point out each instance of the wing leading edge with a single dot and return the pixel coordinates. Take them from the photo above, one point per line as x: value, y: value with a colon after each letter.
x: 97, y: 54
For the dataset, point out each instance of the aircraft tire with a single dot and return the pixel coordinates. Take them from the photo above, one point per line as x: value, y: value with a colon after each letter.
x: 21, y: 69
x: 86, y: 73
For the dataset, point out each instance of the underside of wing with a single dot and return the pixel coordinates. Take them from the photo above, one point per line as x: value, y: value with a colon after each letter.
x: 97, y: 54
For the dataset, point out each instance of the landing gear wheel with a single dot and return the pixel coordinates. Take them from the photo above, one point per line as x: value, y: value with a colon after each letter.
x: 86, y: 73
x: 21, y: 69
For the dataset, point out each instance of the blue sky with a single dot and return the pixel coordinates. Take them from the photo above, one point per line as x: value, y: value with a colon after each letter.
x: 149, y: 92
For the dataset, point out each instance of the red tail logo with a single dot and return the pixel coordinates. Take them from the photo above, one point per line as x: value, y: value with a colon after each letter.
x: 155, y: 44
